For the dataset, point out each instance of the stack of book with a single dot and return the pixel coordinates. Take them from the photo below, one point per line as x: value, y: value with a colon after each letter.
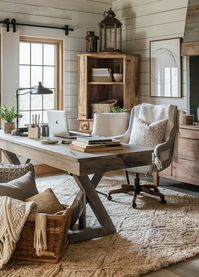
x: 95, y: 144
x: 101, y: 75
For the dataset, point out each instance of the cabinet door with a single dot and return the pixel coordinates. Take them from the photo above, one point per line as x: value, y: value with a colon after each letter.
x: 83, y: 79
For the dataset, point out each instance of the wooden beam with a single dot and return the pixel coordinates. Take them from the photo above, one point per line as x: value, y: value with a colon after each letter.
x: 190, y: 49
x: 193, y: 10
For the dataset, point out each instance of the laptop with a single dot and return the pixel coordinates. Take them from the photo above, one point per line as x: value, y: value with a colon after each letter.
x: 58, y: 124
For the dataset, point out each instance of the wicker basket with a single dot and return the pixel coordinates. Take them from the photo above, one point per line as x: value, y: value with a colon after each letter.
x: 104, y: 106
x: 57, y: 240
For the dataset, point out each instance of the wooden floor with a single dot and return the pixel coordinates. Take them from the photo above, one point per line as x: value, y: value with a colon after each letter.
x: 190, y: 267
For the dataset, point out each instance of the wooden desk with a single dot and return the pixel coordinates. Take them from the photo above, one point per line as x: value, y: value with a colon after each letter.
x: 79, y: 165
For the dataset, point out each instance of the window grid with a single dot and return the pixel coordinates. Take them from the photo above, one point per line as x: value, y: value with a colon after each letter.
x: 43, y: 66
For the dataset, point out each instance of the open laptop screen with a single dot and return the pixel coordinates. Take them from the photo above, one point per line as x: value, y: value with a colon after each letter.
x: 58, y: 123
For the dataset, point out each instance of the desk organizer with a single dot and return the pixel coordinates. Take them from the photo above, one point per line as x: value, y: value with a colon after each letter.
x: 34, y: 132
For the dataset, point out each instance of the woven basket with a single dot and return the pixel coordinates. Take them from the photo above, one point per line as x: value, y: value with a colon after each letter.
x: 57, y: 240
x: 104, y: 106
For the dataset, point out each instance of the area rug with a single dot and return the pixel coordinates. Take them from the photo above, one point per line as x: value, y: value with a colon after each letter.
x: 147, y: 239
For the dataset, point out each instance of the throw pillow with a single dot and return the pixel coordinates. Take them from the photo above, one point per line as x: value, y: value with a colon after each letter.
x: 47, y: 202
x: 148, y: 134
x: 20, y: 188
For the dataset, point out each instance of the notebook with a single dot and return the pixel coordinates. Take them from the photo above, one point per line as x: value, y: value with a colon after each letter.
x: 58, y: 124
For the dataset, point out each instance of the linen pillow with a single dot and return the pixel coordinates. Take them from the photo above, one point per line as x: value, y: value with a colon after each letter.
x: 47, y: 202
x: 20, y: 188
x: 148, y: 134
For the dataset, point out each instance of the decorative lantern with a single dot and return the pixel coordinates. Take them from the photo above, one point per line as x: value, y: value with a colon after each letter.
x: 110, y: 33
x: 91, y: 42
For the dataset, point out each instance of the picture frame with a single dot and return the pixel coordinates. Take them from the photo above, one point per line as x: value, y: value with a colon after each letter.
x: 165, y: 68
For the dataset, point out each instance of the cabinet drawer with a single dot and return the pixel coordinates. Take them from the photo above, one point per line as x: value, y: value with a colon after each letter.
x: 187, y: 171
x: 188, y: 149
x: 188, y: 133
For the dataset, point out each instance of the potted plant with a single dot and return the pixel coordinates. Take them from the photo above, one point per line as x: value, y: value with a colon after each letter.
x: 117, y: 75
x: 118, y: 109
x: 8, y: 114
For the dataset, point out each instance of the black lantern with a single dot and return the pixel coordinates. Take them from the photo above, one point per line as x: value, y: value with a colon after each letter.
x: 110, y: 33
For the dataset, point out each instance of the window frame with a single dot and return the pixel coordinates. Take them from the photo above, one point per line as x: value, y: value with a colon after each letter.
x: 59, y: 65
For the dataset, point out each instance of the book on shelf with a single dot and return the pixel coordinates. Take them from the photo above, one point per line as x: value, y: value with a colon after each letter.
x: 104, y: 71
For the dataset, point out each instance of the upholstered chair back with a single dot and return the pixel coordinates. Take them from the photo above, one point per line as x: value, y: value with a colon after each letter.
x: 110, y: 124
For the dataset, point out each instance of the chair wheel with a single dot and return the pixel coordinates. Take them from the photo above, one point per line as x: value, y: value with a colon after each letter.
x: 134, y: 205
x: 109, y: 197
x: 163, y: 201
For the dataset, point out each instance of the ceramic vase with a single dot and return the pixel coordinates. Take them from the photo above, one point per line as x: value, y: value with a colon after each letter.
x: 118, y: 77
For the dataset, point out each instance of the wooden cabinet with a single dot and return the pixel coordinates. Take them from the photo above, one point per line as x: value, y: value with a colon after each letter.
x: 125, y: 92
x: 185, y: 165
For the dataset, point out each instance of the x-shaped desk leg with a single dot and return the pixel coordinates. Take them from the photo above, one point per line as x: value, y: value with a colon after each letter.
x: 90, y: 196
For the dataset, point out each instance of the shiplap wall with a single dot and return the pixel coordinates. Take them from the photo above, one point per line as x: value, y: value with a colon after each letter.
x: 82, y: 15
x: 146, y: 20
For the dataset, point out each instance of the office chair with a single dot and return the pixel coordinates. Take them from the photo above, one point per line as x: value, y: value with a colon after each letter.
x: 150, y: 125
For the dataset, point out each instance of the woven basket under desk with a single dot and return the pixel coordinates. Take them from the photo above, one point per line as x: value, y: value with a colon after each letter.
x: 57, y: 239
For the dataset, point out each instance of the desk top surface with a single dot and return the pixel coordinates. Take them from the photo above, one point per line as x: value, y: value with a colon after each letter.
x: 57, y: 154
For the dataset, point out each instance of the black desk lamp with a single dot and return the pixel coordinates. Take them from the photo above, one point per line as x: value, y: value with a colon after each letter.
x: 33, y: 90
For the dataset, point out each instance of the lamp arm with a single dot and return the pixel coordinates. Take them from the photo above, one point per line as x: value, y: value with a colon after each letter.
x: 20, y: 89
x: 17, y: 98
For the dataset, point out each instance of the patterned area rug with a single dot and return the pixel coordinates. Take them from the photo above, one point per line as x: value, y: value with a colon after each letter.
x: 148, y: 238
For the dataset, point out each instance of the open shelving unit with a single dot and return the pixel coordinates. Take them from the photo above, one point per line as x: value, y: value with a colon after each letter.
x: 125, y: 92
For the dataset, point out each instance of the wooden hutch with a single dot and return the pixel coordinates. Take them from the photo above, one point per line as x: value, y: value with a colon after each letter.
x: 125, y: 92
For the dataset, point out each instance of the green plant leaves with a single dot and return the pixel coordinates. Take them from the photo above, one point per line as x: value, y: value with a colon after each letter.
x: 8, y: 113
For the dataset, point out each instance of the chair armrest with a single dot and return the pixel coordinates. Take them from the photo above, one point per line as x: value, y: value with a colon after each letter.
x: 11, y: 172
x: 164, y: 151
x: 160, y: 148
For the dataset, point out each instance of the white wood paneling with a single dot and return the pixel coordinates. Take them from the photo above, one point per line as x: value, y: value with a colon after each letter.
x: 82, y: 15
x: 145, y: 21
x: 9, y: 67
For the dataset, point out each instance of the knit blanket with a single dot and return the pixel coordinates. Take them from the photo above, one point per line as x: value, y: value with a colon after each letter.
x: 13, y: 215
x: 150, y: 113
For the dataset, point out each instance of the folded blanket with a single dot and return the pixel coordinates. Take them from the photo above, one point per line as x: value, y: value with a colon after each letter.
x: 150, y: 113
x: 13, y: 215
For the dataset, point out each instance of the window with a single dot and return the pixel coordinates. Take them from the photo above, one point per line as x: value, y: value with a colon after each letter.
x: 40, y: 60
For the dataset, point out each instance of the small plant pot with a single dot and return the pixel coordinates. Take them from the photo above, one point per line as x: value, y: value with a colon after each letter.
x: 118, y: 77
x: 8, y: 127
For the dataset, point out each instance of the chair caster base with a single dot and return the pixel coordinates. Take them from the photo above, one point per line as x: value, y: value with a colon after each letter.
x: 163, y: 201
x: 109, y: 197
x: 134, y: 205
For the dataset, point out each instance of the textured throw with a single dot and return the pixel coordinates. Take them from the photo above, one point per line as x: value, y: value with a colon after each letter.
x: 40, y: 238
x: 13, y: 215
x: 147, y: 239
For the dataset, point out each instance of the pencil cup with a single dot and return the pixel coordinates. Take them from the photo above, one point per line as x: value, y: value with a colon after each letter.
x: 34, y: 132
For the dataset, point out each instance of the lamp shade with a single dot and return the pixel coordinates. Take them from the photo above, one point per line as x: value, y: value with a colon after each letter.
x: 41, y: 90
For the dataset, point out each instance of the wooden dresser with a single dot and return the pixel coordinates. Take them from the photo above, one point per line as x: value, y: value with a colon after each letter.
x: 185, y: 165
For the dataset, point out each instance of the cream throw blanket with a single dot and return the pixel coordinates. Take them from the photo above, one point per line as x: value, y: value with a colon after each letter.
x: 13, y: 215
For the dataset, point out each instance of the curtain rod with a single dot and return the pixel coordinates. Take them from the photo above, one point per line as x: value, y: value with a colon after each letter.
x: 13, y: 22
